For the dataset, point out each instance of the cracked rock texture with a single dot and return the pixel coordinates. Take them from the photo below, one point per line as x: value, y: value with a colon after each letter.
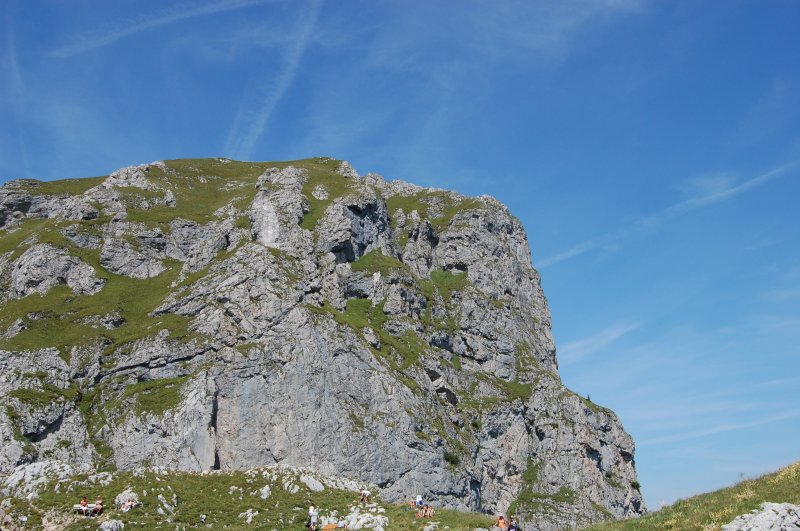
x: 43, y: 266
x: 233, y: 315
x: 768, y: 517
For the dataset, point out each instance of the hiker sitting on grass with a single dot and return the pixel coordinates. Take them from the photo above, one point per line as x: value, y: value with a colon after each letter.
x: 127, y: 506
x: 364, y: 496
x: 98, y: 506
x: 84, y: 506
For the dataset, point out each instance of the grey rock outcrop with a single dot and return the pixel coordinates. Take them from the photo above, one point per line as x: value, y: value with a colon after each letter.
x: 768, y: 517
x: 133, y: 176
x: 64, y: 207
x: 112, y: 525
x: 43, y: 266
x: 17, y: 202
x: 122, y: 258
x: 26, y: 480
x: 308, y: 317
x: 14, y: 203
x: 196, y: 245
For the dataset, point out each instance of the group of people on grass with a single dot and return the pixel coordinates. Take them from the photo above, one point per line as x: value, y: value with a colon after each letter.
x: 505, y: 525
x: 94, y: 510
x: 423, y: 509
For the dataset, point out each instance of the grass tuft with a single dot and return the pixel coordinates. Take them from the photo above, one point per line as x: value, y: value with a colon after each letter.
x: 375, y: 261
x: 155, y: 396
x: 447, y: 282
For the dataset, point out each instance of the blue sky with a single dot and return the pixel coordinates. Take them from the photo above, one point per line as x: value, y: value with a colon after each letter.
x: 652, y: 150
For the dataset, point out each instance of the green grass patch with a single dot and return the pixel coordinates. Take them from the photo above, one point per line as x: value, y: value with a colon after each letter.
x: 62, y: 186
x: 516, y: 390
x: 529, y: 500
x: 422, y: 201
x: 357, y: 421
x: 63, y: 312
x: 524, y: 361
x: 602, y: 510
x: 155, y: 396
x: 612, y: 480
x: 529, y: 480
x: 323, y: 172
x: 451, y: 458
x: 200, y: 186
x: 509, y: 391
x: 377, y: 262
x: 243, y: 222
x: 88, y: 403
x: 447, y: 282
x: 598, y: 409
x: 11, y: 241
x: 36, y: 397
x: 360, y: 313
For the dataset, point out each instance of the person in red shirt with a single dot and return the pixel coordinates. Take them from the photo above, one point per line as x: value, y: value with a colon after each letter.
x: 84, y: 506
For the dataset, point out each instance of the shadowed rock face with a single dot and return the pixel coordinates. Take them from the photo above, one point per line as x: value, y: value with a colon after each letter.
x: 304, y: 315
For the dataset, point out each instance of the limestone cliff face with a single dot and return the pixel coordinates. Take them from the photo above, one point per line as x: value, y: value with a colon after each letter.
x: 211, y: 314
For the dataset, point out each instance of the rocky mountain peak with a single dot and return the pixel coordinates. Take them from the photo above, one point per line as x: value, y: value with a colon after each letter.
x: 213, y: 314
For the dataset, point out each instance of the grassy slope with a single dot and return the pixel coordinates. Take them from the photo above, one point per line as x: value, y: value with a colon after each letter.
x: 220, y: 496
x: 201, y: 186
x: 708, y: 512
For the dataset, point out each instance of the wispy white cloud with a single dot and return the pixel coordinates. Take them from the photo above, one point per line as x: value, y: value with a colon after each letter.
x: 514, y: 30
x: 707, y: 184
x: 717, y: 193
x: 132, y: 25
x: 721, y: 428
x: 574, y: 351
x: 255, y: 110
x: 724, y: 193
